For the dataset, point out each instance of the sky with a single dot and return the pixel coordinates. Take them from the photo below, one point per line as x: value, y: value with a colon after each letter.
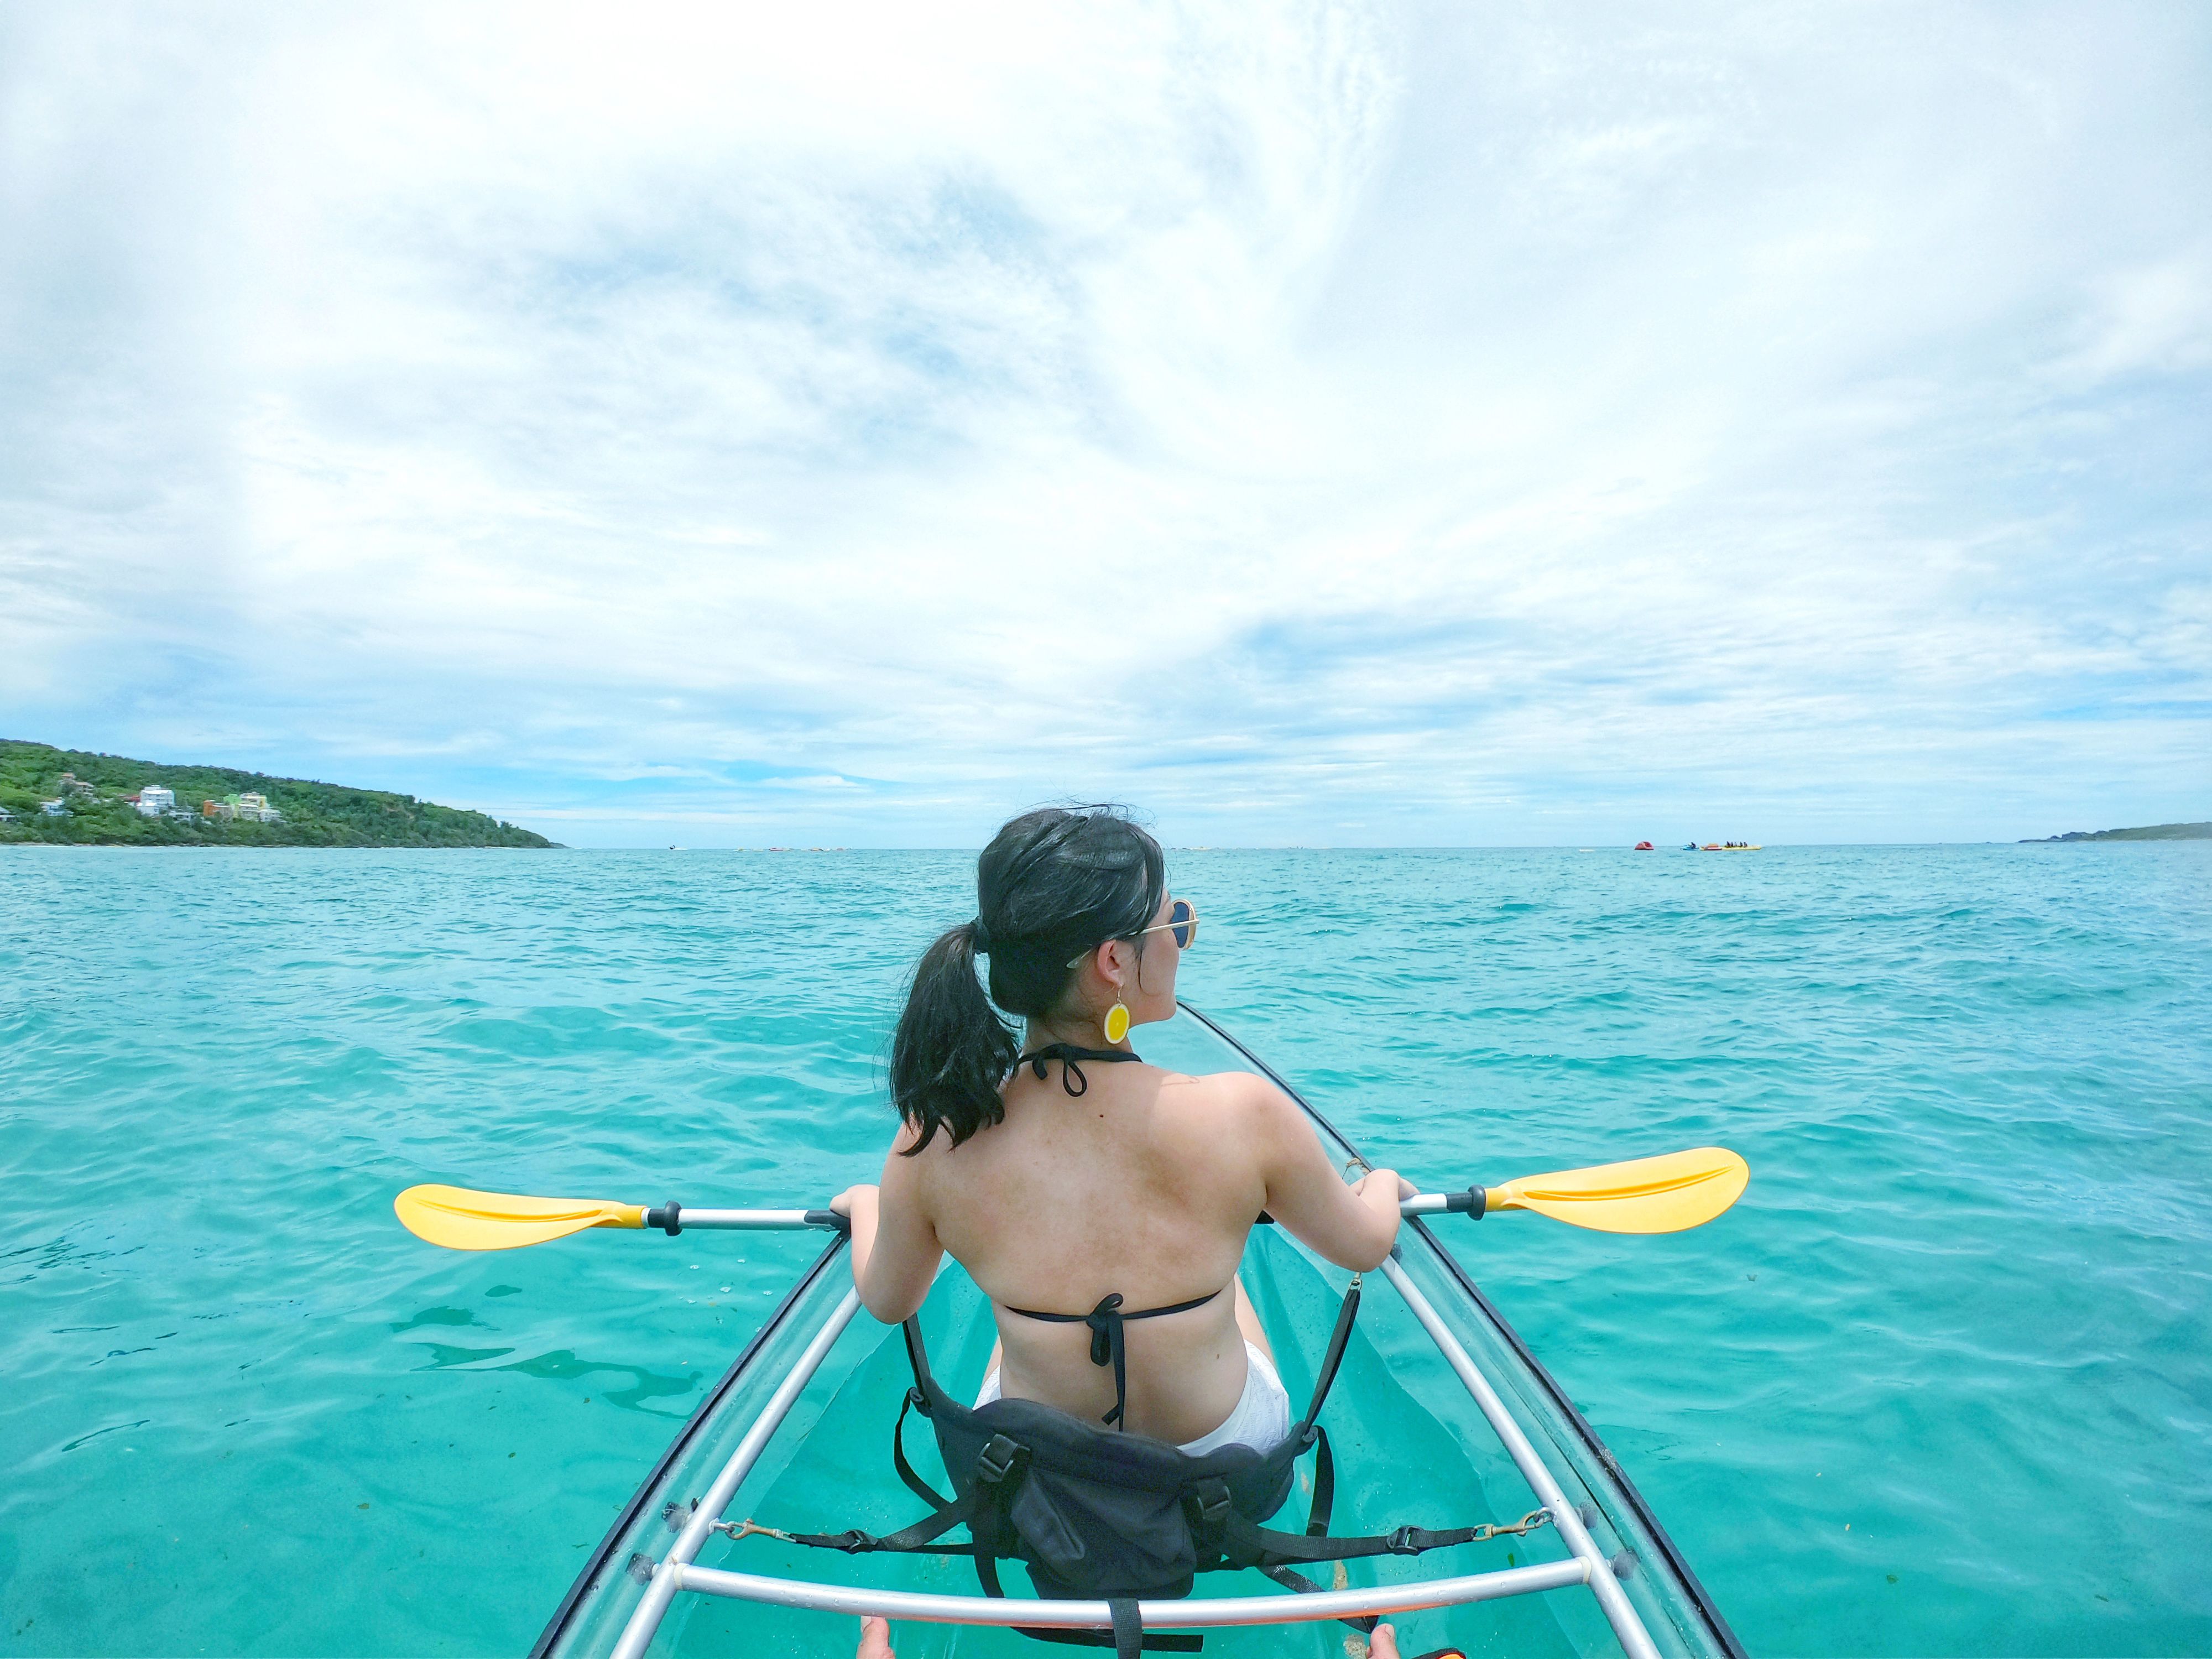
x: 1312, y: 424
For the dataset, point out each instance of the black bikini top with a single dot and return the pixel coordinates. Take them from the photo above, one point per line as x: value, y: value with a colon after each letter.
x: 1071, y: 1059
x: 1106, y: 1319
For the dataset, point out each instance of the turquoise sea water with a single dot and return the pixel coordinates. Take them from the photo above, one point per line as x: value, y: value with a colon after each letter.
x: 1940, y: 1384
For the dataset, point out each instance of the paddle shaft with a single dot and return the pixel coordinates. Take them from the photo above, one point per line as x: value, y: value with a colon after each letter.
x: 663, y: 1215
x: 1469, y: 1202
x: 672, y: 1217
x: 1474, y: 1201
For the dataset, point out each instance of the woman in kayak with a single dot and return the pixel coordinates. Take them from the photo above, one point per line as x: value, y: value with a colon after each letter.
x: 1101, y: 1203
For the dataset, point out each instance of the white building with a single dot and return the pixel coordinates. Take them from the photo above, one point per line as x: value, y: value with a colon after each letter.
x: 153, y: 800
x: 54, y: 808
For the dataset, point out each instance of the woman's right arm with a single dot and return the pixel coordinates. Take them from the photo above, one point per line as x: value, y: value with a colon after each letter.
x: 894, y: 1248
x: 1354, y: 1224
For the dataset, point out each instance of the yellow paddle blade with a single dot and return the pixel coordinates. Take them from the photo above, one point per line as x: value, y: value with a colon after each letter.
x: 463, y: 1220
x: 1644, y: 1195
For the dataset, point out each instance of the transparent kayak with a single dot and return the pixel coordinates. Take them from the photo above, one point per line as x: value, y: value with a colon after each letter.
x: 1440, y: 1417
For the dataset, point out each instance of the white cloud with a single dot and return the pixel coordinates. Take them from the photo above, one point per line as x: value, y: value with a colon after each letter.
x: 1480, y: 424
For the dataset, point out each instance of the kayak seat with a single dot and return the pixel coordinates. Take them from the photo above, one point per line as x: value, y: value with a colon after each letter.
x: 1096, y: 1515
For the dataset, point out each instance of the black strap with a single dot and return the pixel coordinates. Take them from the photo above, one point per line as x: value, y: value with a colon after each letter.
x: 1106, y: 1321
x: 1324, y: 1487
x: 1071, y: 1057
x: 915, y: 1483
x: 1317, y: 1512
x: 1128, y: 1628
x: 999, y: 1467
x: 1365, y: 1623
x: 1338, y: 1340
x: 922, y: 1532
x: 917, y: 1355
x: 1246, y: 1545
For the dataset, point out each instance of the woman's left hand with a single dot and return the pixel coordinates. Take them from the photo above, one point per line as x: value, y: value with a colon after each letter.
x: 844, y: 1201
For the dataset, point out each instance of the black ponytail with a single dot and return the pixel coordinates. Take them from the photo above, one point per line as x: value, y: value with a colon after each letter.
x: 1052, y: 884
x: 951, y: 1050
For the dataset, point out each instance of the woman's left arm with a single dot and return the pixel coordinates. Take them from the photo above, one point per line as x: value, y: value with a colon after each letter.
x: 894, y: 1248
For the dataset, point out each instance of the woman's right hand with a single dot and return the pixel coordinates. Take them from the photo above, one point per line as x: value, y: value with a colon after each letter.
x: 1388, y: 1181
x: 1380, y: 1191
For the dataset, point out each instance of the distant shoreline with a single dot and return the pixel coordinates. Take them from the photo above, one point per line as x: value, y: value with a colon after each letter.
x: 2149, y: 832
x: 53, y: 797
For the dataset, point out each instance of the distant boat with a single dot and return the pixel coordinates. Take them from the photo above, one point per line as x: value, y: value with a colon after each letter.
x: 1732, y: 846
x: 1644, y: 847
x: 1689, y: 846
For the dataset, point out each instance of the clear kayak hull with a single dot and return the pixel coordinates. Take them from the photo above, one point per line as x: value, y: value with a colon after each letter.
x: 1440, y: 1417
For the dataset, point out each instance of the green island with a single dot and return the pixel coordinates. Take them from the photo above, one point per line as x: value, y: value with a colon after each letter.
x: 2149, y: 832
x: 71, y: 797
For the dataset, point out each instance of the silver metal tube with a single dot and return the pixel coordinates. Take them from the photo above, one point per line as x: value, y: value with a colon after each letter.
x: 1422, y: 1204
x: 668, y: 1577
x: 1095, y: 1615
x: 1634, y: 1638
x: 743, y: 1218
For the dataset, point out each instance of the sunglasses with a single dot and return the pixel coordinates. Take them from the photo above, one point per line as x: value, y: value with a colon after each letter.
x: 1181, y: 924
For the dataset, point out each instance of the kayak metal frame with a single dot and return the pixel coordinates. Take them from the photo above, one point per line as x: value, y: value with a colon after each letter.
x: 1678, y: 1567
x: 669, y: 1575
x: 1586, y: 1564
x: 601, y: 1559
x: 1212, y: 1613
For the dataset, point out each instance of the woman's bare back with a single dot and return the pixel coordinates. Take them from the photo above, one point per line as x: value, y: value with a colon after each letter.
x: 1146, y: 1185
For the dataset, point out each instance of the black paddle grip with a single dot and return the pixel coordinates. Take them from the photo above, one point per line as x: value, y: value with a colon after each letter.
x: 831, y: 1219
x: 1469, y: 1202
x: 668, y: 1216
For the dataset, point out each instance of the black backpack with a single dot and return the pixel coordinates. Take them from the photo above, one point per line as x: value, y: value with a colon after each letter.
x: 1098, y: 1514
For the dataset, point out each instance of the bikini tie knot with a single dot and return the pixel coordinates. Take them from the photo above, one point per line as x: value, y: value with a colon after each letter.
x: 1072, y: 1077
x: 1105, y: 1322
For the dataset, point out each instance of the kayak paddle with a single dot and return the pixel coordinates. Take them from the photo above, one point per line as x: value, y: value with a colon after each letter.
x: 462, y: 1220
x: 1662, y: 1195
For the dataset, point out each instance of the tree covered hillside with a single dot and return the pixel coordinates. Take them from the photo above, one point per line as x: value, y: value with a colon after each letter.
x: 97, y: 812
x: 2147, y: 832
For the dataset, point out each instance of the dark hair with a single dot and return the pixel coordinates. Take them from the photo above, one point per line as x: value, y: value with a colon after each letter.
x: 1052, y: 884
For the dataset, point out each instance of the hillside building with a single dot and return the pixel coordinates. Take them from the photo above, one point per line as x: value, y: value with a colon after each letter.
x: 153, y: 800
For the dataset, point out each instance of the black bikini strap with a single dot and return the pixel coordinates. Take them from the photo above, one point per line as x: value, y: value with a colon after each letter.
x: 1068, y: 1055
x: 1106, y: 1321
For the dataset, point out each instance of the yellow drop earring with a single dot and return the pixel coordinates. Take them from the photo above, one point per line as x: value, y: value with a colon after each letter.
x: 1116, y: 1023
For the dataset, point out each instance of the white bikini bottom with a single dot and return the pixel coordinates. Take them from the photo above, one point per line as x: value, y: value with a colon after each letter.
x: 1260, y: 1419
